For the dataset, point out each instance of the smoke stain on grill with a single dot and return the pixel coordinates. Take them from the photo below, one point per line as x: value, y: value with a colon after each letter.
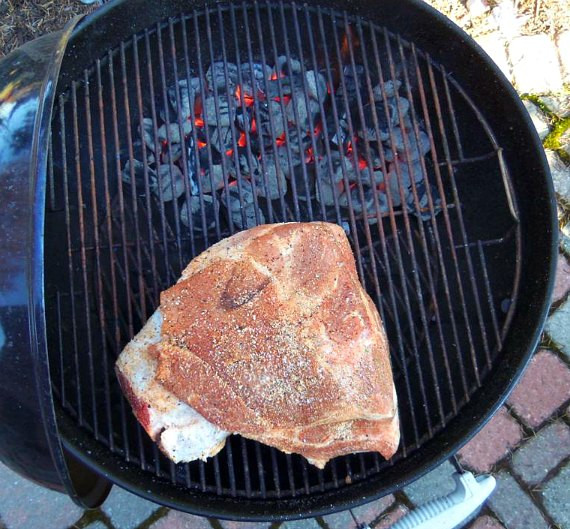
x: 278, y: 147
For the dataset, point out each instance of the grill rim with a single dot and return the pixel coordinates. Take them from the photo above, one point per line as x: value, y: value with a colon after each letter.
x: 463, y: 427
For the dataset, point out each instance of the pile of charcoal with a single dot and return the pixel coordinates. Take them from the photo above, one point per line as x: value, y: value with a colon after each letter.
x: 252, y: 133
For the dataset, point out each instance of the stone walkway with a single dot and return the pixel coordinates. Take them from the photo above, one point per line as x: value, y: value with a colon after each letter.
x: 526, y: 445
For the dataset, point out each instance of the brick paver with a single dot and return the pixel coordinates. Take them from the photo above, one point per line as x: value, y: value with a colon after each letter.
x: 513, y: 506
x: 541, y: 454
x: 562, y: 284
x: 501, y: 434
x: 126, y: 510
x: 544, y: 387
x: 556, y: 497
x: 560, y: 174
x: 364, y: 514
x: 180, y: 520
x: 486, y: 522
x: 24, y: 505
x: 434, y: 484
x: 391, y: 517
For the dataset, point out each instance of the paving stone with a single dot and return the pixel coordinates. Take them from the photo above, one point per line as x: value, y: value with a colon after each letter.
x: 126, y: 510
x: 562, y: 283
x: 181, y: 520
x: 556, y: 497
x: 310, y: 523
x: 364, y: 514
x: 437, y: 483
x: 494, y: 45
x: 558, y: 103
x: 24, y: 505
x: 513, y: 506
x: 370, y: 511
x: 565, y: 241
x: 563, y: 44
x: 558, y: 328
x: 97, y: 525
x: 391, y: 517
x: 538, y: 119
x: 226, y: 524
x: 535, y: 64
x: 560, y: 174
x: 544, y: 387
x: 486, y: 522
x: 536, y: 458
x: 500, y: 435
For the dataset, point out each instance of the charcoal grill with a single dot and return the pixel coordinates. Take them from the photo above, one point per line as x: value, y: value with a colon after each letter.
x: 460, y: 264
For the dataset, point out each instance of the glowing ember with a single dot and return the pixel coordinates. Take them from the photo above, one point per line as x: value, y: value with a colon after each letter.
x: 280, y: 140
x: 242, y: 141
x: 247, y: 99
x: 199, y: 122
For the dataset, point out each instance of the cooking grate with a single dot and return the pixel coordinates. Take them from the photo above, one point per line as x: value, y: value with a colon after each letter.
x: 113, y: 246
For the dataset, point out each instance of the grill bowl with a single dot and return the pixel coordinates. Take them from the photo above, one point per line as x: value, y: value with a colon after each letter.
x: 449, y: 288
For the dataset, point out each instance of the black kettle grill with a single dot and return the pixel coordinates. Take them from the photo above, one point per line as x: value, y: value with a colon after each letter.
x: 461, y: 267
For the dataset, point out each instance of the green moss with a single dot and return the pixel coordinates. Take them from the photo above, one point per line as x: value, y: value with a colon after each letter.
x: 559, y: 127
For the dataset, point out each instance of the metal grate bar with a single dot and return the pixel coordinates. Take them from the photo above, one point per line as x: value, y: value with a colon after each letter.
x: 109, y: 232
x: 70, y: 262
x: 98, y: 270
x: 194, y: 133
x: 339, y: 59
x: 83, y: 256
x: 424, y: 245
x: 123, y: 237
x: 274, y: 58
x: 295, y: 101
x: 415, y: 267
x: 197, y: 43
x: 147, y: 192
x: 311, y: 36
x: 173, y: 55
x: 472, y: 276
x: 483, y: 262
x: 441, y: 126
x: 433, y: 230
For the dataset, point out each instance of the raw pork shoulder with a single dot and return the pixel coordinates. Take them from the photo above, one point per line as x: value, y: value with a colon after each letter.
x: 270, y: 335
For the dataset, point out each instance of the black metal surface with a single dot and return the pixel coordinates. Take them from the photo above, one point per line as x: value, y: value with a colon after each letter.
x: 439, y: 284
x: 29, y: 438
